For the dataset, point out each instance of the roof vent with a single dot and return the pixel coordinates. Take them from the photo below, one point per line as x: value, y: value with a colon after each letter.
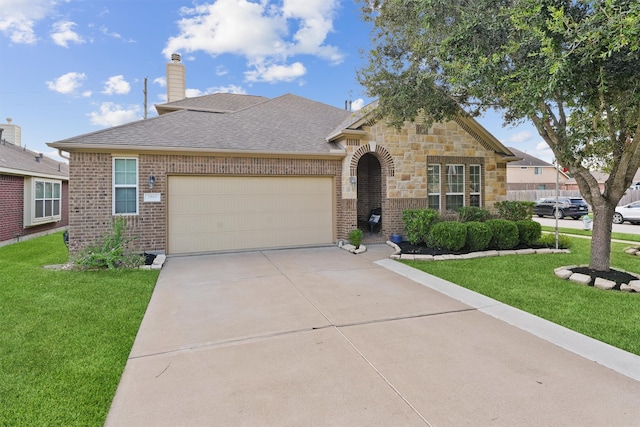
x: 175, y: 57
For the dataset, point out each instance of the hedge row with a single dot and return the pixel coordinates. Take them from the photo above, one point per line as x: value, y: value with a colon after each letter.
x: 473, y: 228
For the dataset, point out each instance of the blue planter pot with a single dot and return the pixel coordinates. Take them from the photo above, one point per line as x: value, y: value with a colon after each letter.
x: 396, y: 238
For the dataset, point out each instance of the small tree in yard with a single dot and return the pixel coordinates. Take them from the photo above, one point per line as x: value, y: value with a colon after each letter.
x: 572, y: 67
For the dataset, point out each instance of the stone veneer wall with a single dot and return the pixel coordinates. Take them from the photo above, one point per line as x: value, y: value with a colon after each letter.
x: 404, y: 154
x: 91, y: 192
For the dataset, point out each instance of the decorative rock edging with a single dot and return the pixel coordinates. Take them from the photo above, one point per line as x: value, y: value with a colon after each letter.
x: 633, y: 250
x: 157, y: 263
x: 398, y: 255
x: 350, y: 248
x: 600, y: 283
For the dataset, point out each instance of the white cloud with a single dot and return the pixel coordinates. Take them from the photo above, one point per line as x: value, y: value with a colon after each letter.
x: 110, y: 114
x: 160, y: 81
x: 221, y: 70
x: 276, y: 73
x: 116, y: 85
x: 238, y: 90
x: 104, y: 30
x: 261, y: 32
x: 544, y: 152
x: 67, y: 84
x: 63, y: 33
x: 357, y: 104
x: 522, y: 136
x: 19, y: 17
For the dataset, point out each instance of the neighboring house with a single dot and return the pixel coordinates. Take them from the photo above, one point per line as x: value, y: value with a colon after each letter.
x: 34, y: 193
x: 532, y: 173
x: 571, y: 184
x: 228, y: 172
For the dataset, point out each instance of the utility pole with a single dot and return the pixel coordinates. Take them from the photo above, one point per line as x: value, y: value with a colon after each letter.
x: 145, y: 97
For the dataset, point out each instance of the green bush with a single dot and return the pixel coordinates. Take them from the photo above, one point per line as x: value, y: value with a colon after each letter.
x: 549, y: 240
x: 448, y: 235
x: 504, y: 233
x: 112, y: 251
x: 473, y: 213
x: 514, y: 210
x: 529, y: 232
x: 417, y: 223
x: 355, y: 237
x: 478, y: 236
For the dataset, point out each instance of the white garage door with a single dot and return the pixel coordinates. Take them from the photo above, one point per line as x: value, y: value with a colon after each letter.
x: 231, y: 213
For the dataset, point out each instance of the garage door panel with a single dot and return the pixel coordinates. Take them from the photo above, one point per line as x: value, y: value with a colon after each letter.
x: 232, y: 213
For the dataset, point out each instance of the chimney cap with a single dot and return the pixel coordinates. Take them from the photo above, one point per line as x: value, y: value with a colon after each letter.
x: 175, y: 57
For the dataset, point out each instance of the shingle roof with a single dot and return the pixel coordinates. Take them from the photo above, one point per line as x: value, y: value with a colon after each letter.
x: 527, y: 159
x: 288, y: 123
x: 217, y: 102
x: 16, y: 160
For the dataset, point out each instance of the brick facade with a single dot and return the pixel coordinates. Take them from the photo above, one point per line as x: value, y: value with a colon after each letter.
x: 91, y: 188
x: 12, y: 206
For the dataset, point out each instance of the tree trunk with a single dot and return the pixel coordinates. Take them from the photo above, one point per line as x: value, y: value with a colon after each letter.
x: 601, y: 236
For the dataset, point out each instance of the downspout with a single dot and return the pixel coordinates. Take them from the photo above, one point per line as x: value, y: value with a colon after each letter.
x: 62, y: 155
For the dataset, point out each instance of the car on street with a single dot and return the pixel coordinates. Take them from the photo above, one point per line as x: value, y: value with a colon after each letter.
x: 574, y: 207
x: 629, y: 212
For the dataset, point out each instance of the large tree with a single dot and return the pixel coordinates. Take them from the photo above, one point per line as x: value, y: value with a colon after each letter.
x: 571, y: 67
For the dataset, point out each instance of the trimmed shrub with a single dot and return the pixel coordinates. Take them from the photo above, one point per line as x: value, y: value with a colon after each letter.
x: 504, y: 233
x: 355, y: 237
x: 478, y: 236
x: 529, y: 232
x: 473, y: 213
x: 514, y: 210
x: 417, y: 223
x: 549, y: 240
x: 447, y: 235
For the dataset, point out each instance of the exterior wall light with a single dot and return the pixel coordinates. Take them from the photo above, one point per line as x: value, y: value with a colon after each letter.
x: 352, y: 180
x: 152, y: 180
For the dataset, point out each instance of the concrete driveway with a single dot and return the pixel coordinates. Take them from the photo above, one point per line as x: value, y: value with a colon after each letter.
x: 323, y: 337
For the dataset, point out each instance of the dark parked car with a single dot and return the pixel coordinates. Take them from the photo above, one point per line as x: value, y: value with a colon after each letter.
x: 575, y: 207
x: 630, y: 212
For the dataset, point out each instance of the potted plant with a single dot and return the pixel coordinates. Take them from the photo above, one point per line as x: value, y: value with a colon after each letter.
x: 355, y: 237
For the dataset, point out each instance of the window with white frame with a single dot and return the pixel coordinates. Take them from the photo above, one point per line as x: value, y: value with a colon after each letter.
x: 433, y: 186
x: 537, y: 170
x: 455, y: 186
x: 125, y: 186
x: 475, y: 182
x: 43, y: 201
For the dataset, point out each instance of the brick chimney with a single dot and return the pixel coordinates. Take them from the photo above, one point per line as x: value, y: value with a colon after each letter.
x: 176, y: 81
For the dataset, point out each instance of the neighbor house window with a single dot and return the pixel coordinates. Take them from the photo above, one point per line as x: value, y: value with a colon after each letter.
x: 475, y: 184
x: 455, y: 186
x: 125, y: 186
x: 433, y: 186
x: 537, y: 171
x: 43, y: 201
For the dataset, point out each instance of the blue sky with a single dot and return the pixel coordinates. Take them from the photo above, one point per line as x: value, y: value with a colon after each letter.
x: 71, y: 67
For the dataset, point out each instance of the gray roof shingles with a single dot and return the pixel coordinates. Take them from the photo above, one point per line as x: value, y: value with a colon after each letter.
x: 288, y: 123
x: 23, y: 162
x: 527, y: 159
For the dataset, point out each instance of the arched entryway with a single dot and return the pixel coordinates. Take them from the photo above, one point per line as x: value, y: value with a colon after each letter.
x: 369, y: 191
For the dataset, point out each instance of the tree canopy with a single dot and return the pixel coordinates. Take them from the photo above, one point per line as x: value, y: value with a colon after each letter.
x: 571, y: 67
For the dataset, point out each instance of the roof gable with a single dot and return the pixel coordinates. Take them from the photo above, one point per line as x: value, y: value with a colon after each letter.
x: 215, y: 103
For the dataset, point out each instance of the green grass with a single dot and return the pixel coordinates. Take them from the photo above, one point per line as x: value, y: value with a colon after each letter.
x: 581, y: 232
x: 528, y: 282
x: 65, y: 335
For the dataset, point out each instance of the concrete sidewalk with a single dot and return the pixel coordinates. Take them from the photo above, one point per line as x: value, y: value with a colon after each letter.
x: 324, y: 337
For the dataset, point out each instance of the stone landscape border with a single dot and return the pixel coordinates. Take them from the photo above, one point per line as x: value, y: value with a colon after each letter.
x: 398, y: 255
x: 600, y: 283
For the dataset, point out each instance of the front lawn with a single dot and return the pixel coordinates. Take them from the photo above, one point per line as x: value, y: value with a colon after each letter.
x: 529, y: 283
x: 65, y: 335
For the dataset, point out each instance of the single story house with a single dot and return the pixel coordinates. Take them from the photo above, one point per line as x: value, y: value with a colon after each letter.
x: 34, y: 193
x: 532, y: 173
x: 227, y: 172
